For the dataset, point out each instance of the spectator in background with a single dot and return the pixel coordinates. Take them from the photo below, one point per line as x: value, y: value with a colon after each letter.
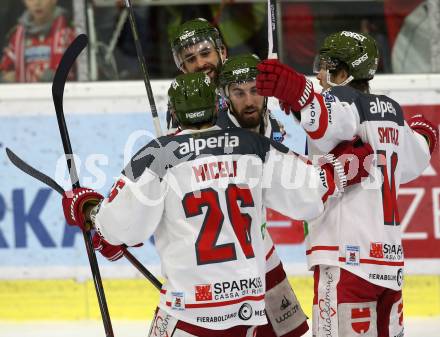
x: 36, y: 43
x: 411, y: 52
x: 243, y: 26
x: 409, y: 35
x: 371, y: 26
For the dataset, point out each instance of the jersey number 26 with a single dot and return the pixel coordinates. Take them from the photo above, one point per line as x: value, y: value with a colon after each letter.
x: 207, y: 249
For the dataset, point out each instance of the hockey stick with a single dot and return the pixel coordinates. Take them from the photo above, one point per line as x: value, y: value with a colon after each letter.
x: 272, y: 33
x: 66, y: 63
x: 143, y: 67
x: 33, y: 172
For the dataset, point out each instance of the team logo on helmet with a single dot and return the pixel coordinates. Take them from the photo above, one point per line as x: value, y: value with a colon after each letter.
x: 353, y: 35
x: 174, y: 84
x: 192, y: 97
x: 187, y: 35
x: 240, y: 71
x: 361, y: 59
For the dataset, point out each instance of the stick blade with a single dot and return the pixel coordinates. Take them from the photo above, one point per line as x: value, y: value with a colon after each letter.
x: 28, y: 169
x: 66, y: 63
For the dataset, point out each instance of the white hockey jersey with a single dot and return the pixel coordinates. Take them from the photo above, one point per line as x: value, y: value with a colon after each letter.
x: 202, y: 194
x: 360, y: 231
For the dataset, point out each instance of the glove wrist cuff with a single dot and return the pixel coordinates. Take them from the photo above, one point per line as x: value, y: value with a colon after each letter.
x: 93, y: 212
x: 339, y: 175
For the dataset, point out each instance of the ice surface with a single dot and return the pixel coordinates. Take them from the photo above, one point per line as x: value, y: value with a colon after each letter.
x: 414, y: 327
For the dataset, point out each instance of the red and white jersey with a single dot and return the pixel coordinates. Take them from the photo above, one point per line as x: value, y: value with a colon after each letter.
x: 360, y: 231
x: 203, y: 194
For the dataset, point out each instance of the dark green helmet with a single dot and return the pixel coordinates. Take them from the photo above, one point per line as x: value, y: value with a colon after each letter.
x: 192, y: 97
x: 190, y: 33
x: 357, y: 50
x: 238, y: 69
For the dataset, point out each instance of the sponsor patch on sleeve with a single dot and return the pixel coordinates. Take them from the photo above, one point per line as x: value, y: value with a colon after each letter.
x: 177, y: 300
x: 352, y: 254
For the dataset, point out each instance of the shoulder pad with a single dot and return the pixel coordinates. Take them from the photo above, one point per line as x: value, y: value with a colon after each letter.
x: 379, y: 108
x: 343, y: 93
x: 158, y: 156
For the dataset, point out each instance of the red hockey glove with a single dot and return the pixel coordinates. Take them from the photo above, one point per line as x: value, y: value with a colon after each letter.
x: 278, y: 80
x: 109, y: 251
x: 74, y: 202
x: 425, y: 128
x: 355, y: 152
x: 284, y: 106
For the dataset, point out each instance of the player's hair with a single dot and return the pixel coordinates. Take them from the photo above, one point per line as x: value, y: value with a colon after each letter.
x: 362, y: 85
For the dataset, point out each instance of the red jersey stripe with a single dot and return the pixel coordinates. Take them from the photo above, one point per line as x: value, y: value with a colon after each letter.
x: 378, y: 262
x: 323, y: 120
x: 270, y: 253
x: 220, y: 304
x: 314, y: 248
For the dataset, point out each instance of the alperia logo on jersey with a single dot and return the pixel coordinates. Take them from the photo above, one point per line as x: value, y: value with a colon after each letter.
x: 382, y: 107
x: 196, y: 145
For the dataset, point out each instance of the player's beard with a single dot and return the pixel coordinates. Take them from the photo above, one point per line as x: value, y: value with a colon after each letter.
x: 249, y: 117
x: 210, y: 70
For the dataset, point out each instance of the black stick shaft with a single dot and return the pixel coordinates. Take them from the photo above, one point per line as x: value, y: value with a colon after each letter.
x: 144, y: 271
x: 272, y: 29
x: 59, y: 82
x: 143, y: 67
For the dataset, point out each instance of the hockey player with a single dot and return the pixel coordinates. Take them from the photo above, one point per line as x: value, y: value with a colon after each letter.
x: 355, y: 246
x: 202, y: 193
x: 197, y: 46
x: 248, y: 109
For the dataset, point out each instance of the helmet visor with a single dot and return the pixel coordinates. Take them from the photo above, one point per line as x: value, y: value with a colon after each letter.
x: 325, y: 63
x: 192, y: 49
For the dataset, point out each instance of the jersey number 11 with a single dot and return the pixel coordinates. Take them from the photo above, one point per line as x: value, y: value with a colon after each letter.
x: 389, y: 197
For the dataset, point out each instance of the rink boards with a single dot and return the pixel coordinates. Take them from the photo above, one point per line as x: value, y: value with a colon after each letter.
x: 43, y: 265
x: 136, y: 299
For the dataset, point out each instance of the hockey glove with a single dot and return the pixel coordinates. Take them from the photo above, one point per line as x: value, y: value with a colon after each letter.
x: 425, y: 128
x: 109, y: 251
x: 353, y: 156
x: 74, y: 203
x: 278, y: 80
